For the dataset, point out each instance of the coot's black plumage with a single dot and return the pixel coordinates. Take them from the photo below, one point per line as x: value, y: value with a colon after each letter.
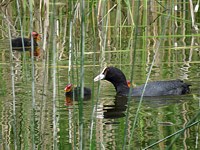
x: 157, y: 88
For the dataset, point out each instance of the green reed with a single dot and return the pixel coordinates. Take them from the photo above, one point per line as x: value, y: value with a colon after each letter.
x: 94, y: 104
x: 82, y: 48
x: 33, y: 78
x: 177, y: 134
x: 24, y: 59
x: 53, y: 47
x: 13, y: 91
x: 133, y: 41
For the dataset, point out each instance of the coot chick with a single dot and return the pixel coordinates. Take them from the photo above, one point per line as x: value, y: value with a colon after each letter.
x: 17, y: 44
x: 156, y: 88
x: 70, y: 91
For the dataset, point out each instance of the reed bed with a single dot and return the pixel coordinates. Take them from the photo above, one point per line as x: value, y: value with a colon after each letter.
x: 84, y: 35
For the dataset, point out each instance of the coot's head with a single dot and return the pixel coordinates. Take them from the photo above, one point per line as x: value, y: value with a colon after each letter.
x: 68, y: 87
x: 112, y: 74
x: 36, y: 36
x: 116, y: 77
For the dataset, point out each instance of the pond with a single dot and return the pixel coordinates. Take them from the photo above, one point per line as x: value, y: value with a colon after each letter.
x: 163, y: 45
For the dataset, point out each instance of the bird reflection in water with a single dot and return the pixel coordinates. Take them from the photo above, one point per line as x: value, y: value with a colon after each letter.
x: 117, y: 110
x: 69, y: 99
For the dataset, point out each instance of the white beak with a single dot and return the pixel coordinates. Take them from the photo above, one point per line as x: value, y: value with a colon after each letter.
x: 99, y: 77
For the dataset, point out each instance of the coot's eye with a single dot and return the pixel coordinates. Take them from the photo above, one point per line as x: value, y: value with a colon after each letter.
x: 105, y: 71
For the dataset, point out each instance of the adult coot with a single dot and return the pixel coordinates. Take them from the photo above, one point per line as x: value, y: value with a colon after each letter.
x: 157, y: 88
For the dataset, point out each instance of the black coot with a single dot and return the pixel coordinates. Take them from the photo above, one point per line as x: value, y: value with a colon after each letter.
x: 157, y: 88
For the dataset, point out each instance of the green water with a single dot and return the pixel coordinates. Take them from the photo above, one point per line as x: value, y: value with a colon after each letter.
x: 28, y: 91
x: 159, y: 117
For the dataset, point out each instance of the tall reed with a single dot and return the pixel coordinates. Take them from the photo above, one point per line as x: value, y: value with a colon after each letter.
x: 13, y: 92
x: 53, y: 55
x: 33, y: 77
